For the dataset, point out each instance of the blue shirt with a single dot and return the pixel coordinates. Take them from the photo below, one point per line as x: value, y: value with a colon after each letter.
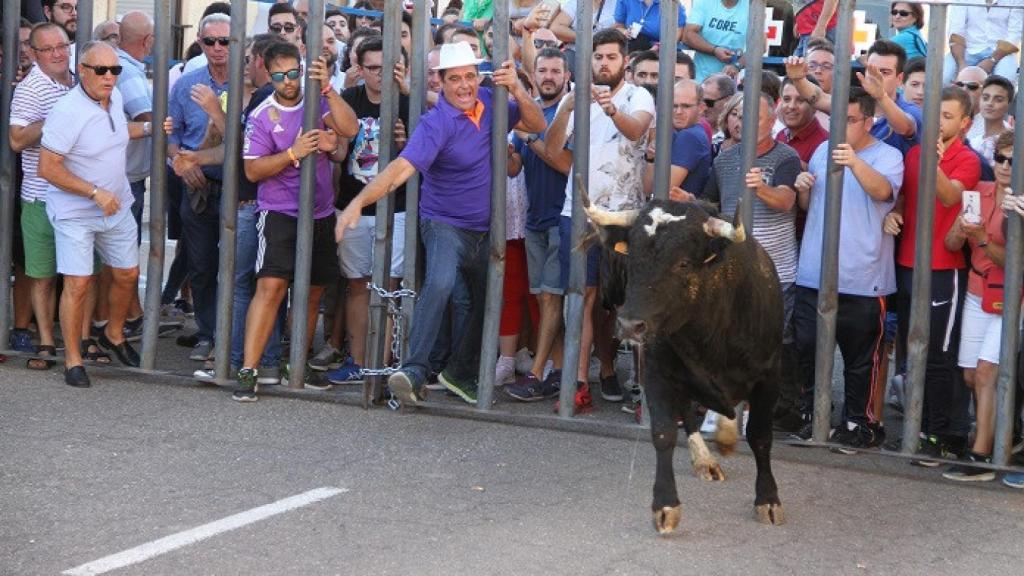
x: 545, y: 186
x: 719, y: 26
x: 884, y: 132
x: 629, y: 11
x: 189, y: 119
x: 910, y: 39
x: 691, y: 150
x: 138, y: 99
x: 866, y: 263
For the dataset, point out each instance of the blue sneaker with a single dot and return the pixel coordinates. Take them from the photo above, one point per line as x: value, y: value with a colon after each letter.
x: 21, y: 341
x: 347, y: 372
x: 1014, y: 480
x: 527, y: 388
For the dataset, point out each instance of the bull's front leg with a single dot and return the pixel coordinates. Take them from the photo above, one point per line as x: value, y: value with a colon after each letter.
x: 705, y: 466
x: 665, y: 507
x: 767, y: 505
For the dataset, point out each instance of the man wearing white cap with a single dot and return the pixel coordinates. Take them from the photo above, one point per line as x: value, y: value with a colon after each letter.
x: 451, y: 149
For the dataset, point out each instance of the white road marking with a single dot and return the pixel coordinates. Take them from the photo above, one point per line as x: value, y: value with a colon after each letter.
x: 199, y: 533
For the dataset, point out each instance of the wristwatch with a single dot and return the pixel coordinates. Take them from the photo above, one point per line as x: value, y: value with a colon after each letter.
x: 531, y: 139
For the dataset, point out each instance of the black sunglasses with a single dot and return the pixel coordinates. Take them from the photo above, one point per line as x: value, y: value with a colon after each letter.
x: 999, y: 159
x: 277, y: 28
x: 222, y: 40
x: 972, y: 86
x: 903, y: 13
x: 710, y: 102
x: 541, y: 44
x: 102, y: 70
x: 278, y: 77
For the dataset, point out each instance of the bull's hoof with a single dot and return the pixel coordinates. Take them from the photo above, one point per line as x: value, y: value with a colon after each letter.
x: 770, y: 514
x: 708, y: 469
x: 727, y: 434
x: 667, y: 518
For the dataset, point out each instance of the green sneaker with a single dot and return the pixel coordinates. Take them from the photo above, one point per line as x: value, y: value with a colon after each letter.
x: 311, y: 380
x: 464, y: 390
x: 247, y: 386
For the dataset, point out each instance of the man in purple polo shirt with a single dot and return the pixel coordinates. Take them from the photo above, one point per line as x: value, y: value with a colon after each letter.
x: 451, y: 148
x: 273, y: 147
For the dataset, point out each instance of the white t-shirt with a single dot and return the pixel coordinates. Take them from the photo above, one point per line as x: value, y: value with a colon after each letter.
x: 616, y: 163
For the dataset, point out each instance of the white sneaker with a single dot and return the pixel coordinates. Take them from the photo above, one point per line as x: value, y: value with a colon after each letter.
x: 505, y: 372
x: 524, y: 361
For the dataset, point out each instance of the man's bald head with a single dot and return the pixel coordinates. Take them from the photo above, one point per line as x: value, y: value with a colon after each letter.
x: 95, y: 51
x: 135, y: 26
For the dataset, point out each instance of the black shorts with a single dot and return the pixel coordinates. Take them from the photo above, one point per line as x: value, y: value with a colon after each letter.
x: 275, y: 251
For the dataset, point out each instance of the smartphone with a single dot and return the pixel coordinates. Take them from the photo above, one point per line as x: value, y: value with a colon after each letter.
x: 972, y: 207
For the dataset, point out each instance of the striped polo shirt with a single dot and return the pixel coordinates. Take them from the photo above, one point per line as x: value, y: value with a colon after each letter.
x: 33, y: 99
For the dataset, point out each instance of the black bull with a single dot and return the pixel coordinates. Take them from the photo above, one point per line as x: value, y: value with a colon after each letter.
x: 705, y: 303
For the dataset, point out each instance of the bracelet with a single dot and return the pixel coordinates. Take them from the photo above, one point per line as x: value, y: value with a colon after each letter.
x: 612, y: 115
x: 95, y: 190
x: 147, y: 128
x: 295, y: 159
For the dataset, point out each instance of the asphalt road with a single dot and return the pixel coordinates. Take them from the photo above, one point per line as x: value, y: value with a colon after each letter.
x: 86, y: 474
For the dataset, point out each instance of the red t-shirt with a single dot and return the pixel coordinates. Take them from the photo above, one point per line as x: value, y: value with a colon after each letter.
x: 807, y: 17
x: 806, y: 141
x: 959, y: 163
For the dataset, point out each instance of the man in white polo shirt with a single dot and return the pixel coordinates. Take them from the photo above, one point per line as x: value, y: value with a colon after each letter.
x: 84, y: 144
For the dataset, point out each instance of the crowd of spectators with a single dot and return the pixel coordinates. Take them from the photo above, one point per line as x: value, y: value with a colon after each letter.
x: 81, y: 123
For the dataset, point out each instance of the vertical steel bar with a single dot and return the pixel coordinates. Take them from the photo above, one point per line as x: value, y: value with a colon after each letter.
x: 307, y: 191
x: 410, y: 269
x: 751, y: 103
x: 580, y: 173
x: 157, y: 183
x: 499, y: 184
x: 12, y: 13
x: 668, y: 32
x: 84, y: 30
x: 1007, y: 382
x: 828, y: 297
x: 229, y: 192
x: 383, y: 222
x: 920, y: 319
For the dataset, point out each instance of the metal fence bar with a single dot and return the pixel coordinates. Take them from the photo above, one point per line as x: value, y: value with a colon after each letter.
x: 1009, y: 346
x: 307, y: 192
x: 580, y: 173
x: 12, y: 14
x: 499, y: 183
x: 84, y: 30
x: 229, y: 193
x: 920, y: 319
x: 828, y: 297
x: 384, y: 220
x: 157, y: 184
x: 751, y: 103
x: 421, y: 41
x: 668, y: 32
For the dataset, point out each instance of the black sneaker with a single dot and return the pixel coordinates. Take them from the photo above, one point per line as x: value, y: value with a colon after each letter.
x: 967, y: 473
x: 247, y: 386
x: 76, y: 377
x: 929, y: 447
x: 860, y: 437
x: 610, y: 388
x: 806, y: 430
x: 788, y: 420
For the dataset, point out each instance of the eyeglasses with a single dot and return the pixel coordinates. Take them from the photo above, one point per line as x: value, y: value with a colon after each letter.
x: 278, y: 28
x: 542, y: 44
x: 278, y: 77
x: 823, y: 66
x: 999, y: 159
x: 902, y: 13
x: 372, y: 69
x: 972, y: 86
x: 854, y: 119
x: 211, y: 40
x: 50, y: 50
x: 68, y: 8
x: 102, y: 70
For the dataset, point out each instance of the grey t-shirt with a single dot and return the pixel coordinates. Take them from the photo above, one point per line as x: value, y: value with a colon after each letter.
x: 774, y: 230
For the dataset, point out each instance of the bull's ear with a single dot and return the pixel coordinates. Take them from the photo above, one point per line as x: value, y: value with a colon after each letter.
x: 715, y: 254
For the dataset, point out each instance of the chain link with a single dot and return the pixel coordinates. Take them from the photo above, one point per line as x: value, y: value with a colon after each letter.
x: 397, y: 330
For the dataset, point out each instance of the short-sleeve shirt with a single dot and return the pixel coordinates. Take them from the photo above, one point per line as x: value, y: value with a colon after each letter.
x: 616, y: 163
x: 691, y: 149
x: 885, y: 133
x: 866, y: 265
x: 189, y: 119
x: 138, y: 99
x: 720, y: 26
x: 993, y: 216
x: 453, y: 155
x: 271, y: 129
x: 93, y: 141
x: 628, y: 12
x: 545, y: 186
x: 33, y: 99
x: 774, y: 230
x: 805, y: 141
x: 361, y: 162
x: 807, y: 13
x: 958, y: 163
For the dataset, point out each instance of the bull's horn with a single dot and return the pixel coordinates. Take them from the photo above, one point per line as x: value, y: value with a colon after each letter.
x: 599, y: 217
x: 720, y: 228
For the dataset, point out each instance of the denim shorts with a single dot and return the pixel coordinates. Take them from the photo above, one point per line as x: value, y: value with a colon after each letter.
x: 355, y: 252
x: 110, y: 237
x: 544, y: 261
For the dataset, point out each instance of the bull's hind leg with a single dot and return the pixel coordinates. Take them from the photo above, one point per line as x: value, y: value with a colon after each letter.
x: 665, y: 507
x: 705, y: 466
x: 759, y: 437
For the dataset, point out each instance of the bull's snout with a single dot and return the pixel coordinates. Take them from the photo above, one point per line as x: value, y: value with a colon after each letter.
x: 630, y: 329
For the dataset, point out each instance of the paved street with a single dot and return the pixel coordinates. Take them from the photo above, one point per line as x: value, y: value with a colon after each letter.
x: 87, y: 474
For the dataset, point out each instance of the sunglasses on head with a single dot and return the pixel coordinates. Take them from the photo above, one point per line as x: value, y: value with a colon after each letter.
x: 292, y: 74
x: 972, y: 86
x: 278, y: 28
x: 102, y: 70
x: 541, y: 44
x: 903, y: 13
x: 999, y: 159
x: 222, y: 40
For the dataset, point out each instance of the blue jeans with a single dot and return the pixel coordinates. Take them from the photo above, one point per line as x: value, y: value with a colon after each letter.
x: 246, y: 242
x: 201, y: 235
x: 1007, y: 66
x: 450, y: 253
x: 453, y: 325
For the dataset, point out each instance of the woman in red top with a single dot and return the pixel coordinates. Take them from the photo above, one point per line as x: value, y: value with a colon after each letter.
x: 981, y: 330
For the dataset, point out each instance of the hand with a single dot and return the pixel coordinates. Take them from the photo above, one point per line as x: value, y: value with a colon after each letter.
x: 1013, y: 203
x: 754, y: 179
x: 193, y: 177
x: 480, y: 24
x: 796, y: 68
x: 568, y: 102
x: 168, y: 125
x: 203, y: 95
x: 400, y: 135
x: 731, y: 71
x: 604, y: 100
x: 818, y: 32
x: 306, y: 144
x: 184, y: 161
x: 804, y: 182
x: 107, y: 202
x: 352, y: 76
x: 844, y: 155
x: 651, y: 145
x: 401, y: 80
x: 511, y: 150
x: 893, y: 223
x: 328, y: 142
x: 318, y: 71
x: 505, y: 76
x: 872, y: 82
x: 940, y: 148
x: 348, y: 220
x: 723, y: 54
x: 975, y: 231
x: 677, y: 194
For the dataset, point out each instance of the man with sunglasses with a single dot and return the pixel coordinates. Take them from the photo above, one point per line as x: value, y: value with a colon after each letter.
x: 283, y: 20
x: 89, y: 200
x: 971, y: 78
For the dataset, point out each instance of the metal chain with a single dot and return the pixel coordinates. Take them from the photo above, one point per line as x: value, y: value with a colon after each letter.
x: 397, y: 330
